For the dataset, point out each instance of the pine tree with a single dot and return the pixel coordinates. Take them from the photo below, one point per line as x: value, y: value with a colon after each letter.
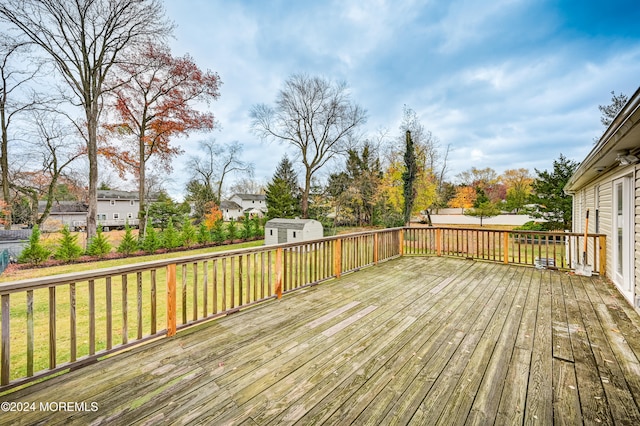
x: 188, y: 233
x: 218, y: 232
x: 68, y: 249
x: 232, y: 230
x: 151, y: 241
x: 409, y: 177
x: 99, y: 245
x: 245, y: 233
x: 129, y: 244
x: 170, y: 236
x: 283, y: 192
x: 551, y: 202
x: 204, y: 235
x: 34, y: 252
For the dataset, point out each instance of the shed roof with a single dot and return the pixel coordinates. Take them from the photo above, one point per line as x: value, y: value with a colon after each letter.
x: 288, y: 223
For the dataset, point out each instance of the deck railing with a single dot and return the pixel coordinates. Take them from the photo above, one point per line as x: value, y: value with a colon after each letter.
x: 60, y: 322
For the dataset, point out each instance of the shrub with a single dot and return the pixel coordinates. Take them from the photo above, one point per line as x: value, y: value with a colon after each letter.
x: 99, y: 245
x: 531, y: 226
x: 129, y: 244
x: 151, y: 241
x: 68, y: 249
x: 247, y: 226
x: 170, y: 236
x: 35, y: 252
x: 218, y: 233
x: 188, y: 234
x: 204, y: 235
x: 232, y: 230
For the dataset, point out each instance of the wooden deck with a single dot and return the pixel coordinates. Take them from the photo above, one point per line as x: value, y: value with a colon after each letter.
x: 412, y: 341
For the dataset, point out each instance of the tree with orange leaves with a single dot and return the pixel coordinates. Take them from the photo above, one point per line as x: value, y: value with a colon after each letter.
x: 464, y: 198
x: 153, y: 103
x: 212, y: 216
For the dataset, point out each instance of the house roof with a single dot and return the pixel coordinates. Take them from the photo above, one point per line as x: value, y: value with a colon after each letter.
x: 229, y: 205
x: 288, y: 223
x: 111, y: 194
x: 250, y: 197
x: 64, y: 207
x: 623, y: 134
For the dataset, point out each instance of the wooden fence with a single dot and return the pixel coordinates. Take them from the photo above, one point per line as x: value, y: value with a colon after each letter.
x: 81, y: 317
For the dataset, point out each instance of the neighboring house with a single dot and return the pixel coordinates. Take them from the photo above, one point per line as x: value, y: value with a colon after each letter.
x: 14, y: 241
x: 114, y: 210
x: 277, y: 231
x: 607, y: 183
x: 230, y: 210
x: 252, y: 204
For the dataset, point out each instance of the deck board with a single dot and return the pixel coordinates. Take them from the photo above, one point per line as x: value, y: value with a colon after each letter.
x: 411, y: 341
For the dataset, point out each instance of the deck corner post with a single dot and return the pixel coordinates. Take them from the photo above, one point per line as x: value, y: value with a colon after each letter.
x: 337, y: 257
x: 375, y: 248
x: 278, y: 284
x: 401, y: 242
x: 171, y: 300
x: 6, y: 341
x: 603, y: 255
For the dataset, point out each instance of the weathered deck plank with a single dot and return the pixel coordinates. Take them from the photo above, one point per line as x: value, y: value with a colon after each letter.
x: 414, y: 340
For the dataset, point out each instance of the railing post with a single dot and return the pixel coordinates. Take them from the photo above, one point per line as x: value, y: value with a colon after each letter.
x: 278, y: 284
x: 603, y: 255
x: 171, y: 300
x: 438, y: 241
x: 505, y: 242
x: 337, y: 257
x: 6, y: 341
x: 401, y: 242
x: 375, y: 248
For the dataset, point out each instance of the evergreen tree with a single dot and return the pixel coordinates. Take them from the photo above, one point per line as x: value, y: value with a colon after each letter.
x: 409, y: 177
x: 170, y: 236
x: 218, y: 232
x: 204, y: 235
x: 69, y: 248
x: 609, y: 112
x: 34, y: 252
x: 283, y: 193
x: 551, y: 202
x: 129, y: 244
x: 232, y: 230
x: 151, y: 241
x: 245, y: 233
x: 99, y: 245
x: 483, y: 210
x: 188, y: 234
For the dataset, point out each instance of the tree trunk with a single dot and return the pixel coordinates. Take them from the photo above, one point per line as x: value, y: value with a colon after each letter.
x: 304, y: 202
x: 4, y: 165
x: 142, y: 219
x: 92, y: 153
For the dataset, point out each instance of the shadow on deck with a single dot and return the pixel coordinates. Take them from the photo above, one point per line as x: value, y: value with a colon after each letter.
x: 414, y: 340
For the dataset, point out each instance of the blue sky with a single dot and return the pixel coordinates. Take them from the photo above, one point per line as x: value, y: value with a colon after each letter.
x: 507, y: 83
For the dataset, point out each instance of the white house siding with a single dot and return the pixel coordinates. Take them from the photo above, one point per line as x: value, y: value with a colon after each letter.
x: 637, y: 231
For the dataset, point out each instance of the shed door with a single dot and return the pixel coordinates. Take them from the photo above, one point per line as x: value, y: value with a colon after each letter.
x: 622, y: 241
x: 282, y: 235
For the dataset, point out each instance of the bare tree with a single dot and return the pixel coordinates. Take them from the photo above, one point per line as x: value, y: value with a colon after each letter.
x: 216, y: 164
x: 314, y: 115
x: 84, y: 39
x: 50, y: 148
x: 14, y: 78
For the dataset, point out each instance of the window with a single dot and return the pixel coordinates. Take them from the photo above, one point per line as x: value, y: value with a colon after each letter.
x: 294, y: 234
x: 270, y: 231
x: 116, y: 215
x: 102, y: 217
x: 112, y: 202
x: 131, y: 203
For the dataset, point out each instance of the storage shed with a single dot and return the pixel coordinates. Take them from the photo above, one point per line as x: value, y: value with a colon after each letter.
x: 277, y: 231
